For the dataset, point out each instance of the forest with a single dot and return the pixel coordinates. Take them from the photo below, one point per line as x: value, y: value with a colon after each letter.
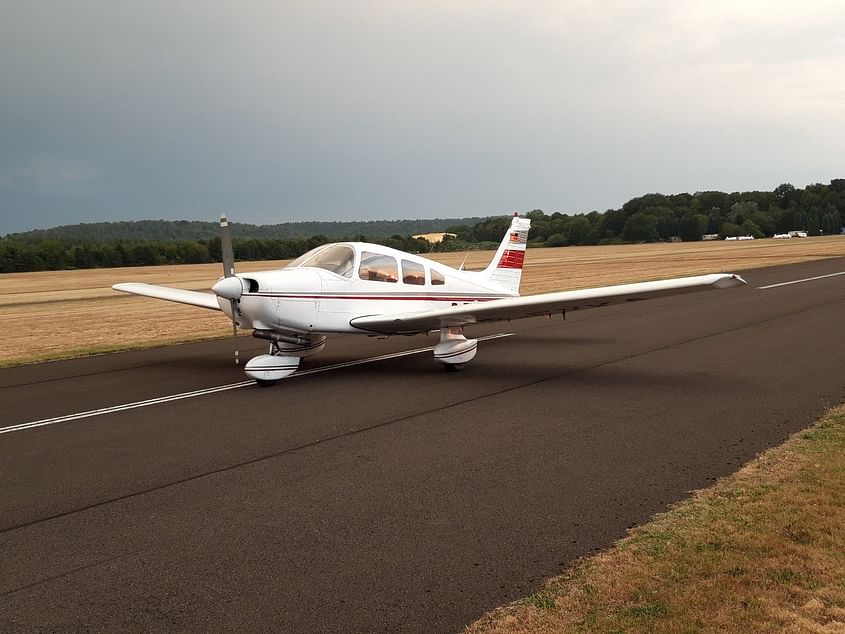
x: 818, y: 209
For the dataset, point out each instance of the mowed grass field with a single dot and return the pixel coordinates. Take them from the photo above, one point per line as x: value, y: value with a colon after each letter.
x: 58, y: 314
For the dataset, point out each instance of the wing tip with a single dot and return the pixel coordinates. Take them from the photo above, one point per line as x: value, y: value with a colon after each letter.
x: 730, y: 280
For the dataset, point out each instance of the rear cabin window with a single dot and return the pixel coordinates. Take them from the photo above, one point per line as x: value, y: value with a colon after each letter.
x: 378, y: 268
x: 413, y: 272
x: 437, y: 278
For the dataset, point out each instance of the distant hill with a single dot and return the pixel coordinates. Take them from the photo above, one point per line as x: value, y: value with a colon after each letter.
x: 175, y: 230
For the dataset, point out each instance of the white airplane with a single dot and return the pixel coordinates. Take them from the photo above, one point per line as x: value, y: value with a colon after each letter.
x: 356, y: 287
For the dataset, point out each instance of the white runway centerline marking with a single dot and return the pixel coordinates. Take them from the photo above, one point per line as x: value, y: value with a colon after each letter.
x: 220, y: 388
x: 806, y: 279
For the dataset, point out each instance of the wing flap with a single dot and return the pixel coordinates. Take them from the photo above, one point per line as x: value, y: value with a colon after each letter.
x: 545, y: 304
x: 194, y: 298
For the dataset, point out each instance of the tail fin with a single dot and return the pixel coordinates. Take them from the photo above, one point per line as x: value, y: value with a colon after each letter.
x: 506, y: 267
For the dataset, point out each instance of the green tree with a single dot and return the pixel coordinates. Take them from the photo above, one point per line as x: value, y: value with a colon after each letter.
x: 784, y: 193
x: 729, y: 229
x: 667, y: 222
x: 748, y: 228
x: 689, y: 228
x: 556, y: 240
x: 53, y: 254
x: 580, y: 231
x: 614, y: 222
x: 813, y: 222
x: 640, y: 227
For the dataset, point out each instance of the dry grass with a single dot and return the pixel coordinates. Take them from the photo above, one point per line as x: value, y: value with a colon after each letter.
x: 70, y: 313
x: 761, y: 551
x: 60, y: 314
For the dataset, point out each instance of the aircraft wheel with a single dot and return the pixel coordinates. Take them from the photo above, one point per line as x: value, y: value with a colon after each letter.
x: 264, y: 383
x: 454, y: 367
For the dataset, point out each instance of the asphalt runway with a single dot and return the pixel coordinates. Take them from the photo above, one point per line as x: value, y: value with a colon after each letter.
x: 389, y: 496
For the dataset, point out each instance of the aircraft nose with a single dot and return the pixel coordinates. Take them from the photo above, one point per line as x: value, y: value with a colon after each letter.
x: 229, y: 288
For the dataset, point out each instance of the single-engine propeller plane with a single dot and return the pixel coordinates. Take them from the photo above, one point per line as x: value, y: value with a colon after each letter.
x: 356, y: 287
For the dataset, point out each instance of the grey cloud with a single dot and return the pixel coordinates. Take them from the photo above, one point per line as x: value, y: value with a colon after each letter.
x: 289, y: 111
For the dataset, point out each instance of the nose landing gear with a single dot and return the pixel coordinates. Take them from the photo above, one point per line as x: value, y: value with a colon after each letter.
x: 282, y: 359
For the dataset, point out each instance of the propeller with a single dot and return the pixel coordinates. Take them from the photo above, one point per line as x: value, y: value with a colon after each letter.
x: 230, y: 287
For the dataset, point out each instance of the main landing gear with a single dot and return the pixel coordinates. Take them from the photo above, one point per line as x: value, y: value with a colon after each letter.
x: 454, y: 350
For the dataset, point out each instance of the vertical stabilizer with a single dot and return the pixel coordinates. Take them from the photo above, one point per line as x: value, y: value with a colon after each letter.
x: 506, y: 267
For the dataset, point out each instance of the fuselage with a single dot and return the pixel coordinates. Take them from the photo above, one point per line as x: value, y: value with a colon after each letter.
x: 323, y: 290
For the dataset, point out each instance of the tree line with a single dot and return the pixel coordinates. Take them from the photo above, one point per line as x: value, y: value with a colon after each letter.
x: 817, y: 209
x: 54, y: 255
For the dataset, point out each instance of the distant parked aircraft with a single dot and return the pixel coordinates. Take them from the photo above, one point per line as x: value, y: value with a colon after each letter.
x: 356, y: 287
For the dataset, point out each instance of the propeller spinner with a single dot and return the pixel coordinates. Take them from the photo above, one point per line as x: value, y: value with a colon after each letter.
x: 229, y: 288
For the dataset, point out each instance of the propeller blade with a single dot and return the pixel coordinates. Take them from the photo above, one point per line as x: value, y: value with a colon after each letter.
x: 235, y: 331
x: 227, y: 288
x: 226, y: 247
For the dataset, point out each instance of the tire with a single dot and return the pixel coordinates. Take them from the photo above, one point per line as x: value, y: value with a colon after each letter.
x: 453, y: 367
x: 264, y: 382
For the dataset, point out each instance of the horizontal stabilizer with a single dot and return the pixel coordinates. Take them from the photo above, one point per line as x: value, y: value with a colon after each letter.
x: 194, y: 298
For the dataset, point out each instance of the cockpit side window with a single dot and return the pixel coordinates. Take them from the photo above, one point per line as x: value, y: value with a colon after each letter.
x: 437, y: 278
x: 337, y: 258
x: 378, y: 268
x: 413, y: 272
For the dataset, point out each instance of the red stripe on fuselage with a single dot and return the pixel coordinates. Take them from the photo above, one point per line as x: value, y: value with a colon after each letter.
x: 511, y: 259
x: 417, y: 298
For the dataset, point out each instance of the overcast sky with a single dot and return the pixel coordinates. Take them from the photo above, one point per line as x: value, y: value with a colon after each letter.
x: 283, y: 111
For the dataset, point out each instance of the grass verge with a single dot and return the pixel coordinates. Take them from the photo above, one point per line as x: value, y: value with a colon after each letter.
x: 761, y: 551
x: 94, y: 350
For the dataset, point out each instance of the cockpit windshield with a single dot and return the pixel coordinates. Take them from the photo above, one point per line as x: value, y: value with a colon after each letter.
x: 337, y: 258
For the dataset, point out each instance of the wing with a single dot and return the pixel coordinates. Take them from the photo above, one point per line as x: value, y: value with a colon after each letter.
x: 536, y: 305
x: 194, y: 298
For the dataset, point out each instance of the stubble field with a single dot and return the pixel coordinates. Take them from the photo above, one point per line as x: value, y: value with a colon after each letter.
x: 58, y: 314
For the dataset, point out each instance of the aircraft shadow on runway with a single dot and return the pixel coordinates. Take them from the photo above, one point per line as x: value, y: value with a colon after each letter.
x: 529, y: 370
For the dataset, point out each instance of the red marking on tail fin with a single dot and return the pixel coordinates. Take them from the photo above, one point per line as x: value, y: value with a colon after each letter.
x: 511, y: 259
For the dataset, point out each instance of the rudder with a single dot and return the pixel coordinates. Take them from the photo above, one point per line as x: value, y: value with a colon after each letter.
x: 506, y: 267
